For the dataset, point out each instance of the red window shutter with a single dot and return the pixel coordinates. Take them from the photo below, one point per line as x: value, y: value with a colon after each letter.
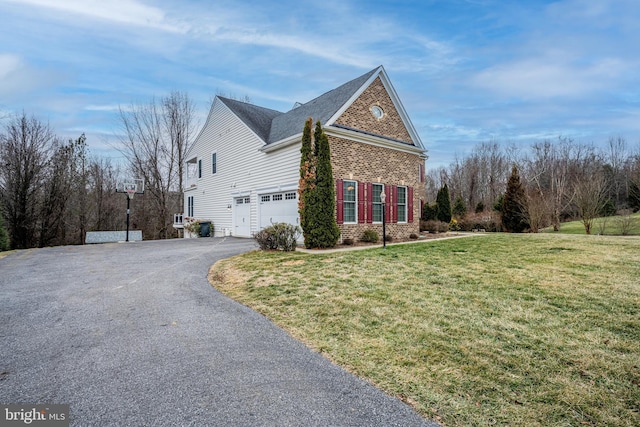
x: 394, y: 206
x: 340, y: 207
x: 361, y: 205
x: 369, y: 202
x: 387, y: 207
x: 410, y: 204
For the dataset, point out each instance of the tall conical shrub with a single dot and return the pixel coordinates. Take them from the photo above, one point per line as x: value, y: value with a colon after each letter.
x: 514, y: 205
x: 307, y: 179
x: 320, y: 206
x: 444, y: 204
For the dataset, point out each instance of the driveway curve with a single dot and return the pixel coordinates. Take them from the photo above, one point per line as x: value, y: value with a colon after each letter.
x: 134, y: 335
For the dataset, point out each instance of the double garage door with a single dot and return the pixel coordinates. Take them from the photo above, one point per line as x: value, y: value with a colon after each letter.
x: 272, y: 208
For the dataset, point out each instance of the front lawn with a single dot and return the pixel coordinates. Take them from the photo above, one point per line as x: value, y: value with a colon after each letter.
x: 518, y: 330
x: 611, y: 225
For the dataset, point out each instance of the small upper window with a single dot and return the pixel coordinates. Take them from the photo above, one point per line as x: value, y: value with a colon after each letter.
x: 214, y: 163
x: 265, y: 198
x: 290, y: 196
x: 277, y: 197
x: 200, y: 168
x: 377, y: 111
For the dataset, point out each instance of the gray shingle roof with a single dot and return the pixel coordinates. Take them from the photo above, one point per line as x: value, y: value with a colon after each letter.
x: 257, y: 118
x: 272, y: 126
x: 321, y: 108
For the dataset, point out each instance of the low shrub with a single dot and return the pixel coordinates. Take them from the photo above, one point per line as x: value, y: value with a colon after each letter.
x: 434, y: 226
x: 347, y: 241
x: 369, y: 236
x: 388, y: 238
x: 453, y: 225
x: 413, y: 236
x: 488, y: 221
x: 280, y: 236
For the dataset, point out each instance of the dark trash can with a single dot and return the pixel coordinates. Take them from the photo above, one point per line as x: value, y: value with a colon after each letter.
x: 205, y: 229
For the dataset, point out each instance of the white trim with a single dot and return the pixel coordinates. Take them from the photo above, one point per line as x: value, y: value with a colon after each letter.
x: 355, y: 96
x: 282, y: 143
x: 406, y: 204
x: 277, y: 189
x: 355, y: 202
x: 373, y: 140
x: 384, y: 78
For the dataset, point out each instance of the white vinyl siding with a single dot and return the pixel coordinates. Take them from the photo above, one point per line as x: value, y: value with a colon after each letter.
x: 247, y: 171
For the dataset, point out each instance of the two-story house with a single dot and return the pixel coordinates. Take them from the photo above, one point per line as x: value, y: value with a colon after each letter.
x: 243, y: 168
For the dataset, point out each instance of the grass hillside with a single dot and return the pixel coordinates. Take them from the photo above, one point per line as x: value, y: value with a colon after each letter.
x: 493, y: 330
x: 613, y: 226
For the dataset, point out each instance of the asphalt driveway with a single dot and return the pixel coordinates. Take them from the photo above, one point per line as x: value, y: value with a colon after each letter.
x: 133, y: 334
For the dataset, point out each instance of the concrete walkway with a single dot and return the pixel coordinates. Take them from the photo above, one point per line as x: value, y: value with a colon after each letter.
x: 360, y: 248
x: 134, y: 335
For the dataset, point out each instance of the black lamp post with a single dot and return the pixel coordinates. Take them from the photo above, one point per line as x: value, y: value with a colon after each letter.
x: 383, y: 198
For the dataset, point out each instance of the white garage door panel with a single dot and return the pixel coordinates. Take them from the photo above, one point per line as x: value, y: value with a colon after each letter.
x: 278, y: 207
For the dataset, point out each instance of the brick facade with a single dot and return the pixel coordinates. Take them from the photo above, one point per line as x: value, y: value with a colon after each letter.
x: 361, y: 162
x: 358, y: 115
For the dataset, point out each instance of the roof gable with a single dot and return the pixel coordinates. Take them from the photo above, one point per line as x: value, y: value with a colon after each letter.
x: 272, y: 126
x: 321, y: 108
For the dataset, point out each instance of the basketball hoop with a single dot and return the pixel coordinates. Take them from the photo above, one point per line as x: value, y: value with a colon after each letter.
x: 130, y: 193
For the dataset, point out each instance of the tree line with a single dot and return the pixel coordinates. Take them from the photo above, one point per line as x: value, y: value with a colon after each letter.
x: 52, y: 191
x: 560, y: 180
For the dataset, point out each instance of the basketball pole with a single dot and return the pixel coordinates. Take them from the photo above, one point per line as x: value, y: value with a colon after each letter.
x: 128, y: 205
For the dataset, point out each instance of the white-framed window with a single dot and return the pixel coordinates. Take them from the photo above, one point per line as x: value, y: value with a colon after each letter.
x: 376, y: 202
x: 214, y: 163
x: 276, y: 197
x: 190, y: 206
x: 247, y: 200
x: 401, y: 197
x: 290, y: 196
x: 199, y: 168
x: 239, y: 201
x: 265, y: 198
x: 350, y: 201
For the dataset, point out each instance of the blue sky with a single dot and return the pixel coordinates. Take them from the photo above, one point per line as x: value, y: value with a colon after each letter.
x: 467, y: 71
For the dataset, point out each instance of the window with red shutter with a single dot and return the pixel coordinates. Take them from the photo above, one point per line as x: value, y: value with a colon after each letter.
x: 340, y: 204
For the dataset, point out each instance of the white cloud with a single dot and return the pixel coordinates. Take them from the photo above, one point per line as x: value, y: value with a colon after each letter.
x: 129, y: 12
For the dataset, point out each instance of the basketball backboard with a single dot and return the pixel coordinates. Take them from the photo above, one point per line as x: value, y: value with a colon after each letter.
x: 130, y: 186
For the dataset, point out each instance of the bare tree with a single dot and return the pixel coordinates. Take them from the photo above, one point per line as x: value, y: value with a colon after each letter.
x: 25, y: 151
x: 156, y: 137
x: 590, y: 195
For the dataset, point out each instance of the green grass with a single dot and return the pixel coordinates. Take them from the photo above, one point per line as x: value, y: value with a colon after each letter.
x: 607, y: 226
x: 517, y: 330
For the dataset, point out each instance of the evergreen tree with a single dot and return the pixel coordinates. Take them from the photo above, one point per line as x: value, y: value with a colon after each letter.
x: 4, y: 236
x: 444, y: 204
x: 459, y: 208
x: 320, y: 206
x: 307, y: 177
x: 514, y: 205
x: 634, y: 196
x: 429, y: 212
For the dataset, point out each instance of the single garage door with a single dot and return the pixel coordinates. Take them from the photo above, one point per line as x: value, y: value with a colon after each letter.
x: 242, y: 217
x: 278, y: 207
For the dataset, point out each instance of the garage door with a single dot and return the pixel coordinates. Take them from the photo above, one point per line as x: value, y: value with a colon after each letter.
x: 242, y: 216
x: 278, y: 207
